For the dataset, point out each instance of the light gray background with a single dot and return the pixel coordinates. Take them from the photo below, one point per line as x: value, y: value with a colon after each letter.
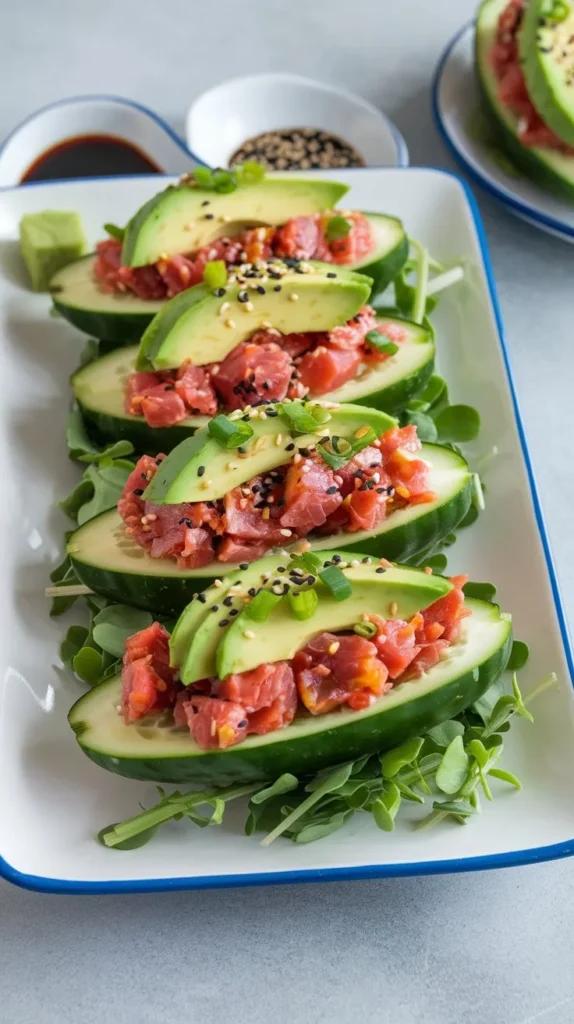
x: 473, y: 948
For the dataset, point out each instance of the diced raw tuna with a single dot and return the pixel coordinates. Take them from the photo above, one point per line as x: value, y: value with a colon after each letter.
x: 244, y: 522
x: 215, y: 724
x: 326, y: 368
x: 191, y: 548
x: 148, y: 684
x: 257, y: 244
x: 252, y: 374
x: 366, y: 509
x: 298, y: 238
x: 293, y: 344
x: 179, y: 273
x: 357, y: 244
x: 260, y: 687
x: 448, y: 611
x: 396, y: 642
x: 311, y: 495
x: 362, y: 467
x: 352, y: 334
x: 137, y: 387
x: 194, y: 387
x: 235, y: 551
x: 162, y: 406
x: 335, y: 670
x: 131, y: 504
x: 107, y: 264
x: 145, y: 282
x: 400, y: 437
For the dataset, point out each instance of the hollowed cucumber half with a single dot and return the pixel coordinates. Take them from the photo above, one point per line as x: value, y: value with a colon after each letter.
x: 112, y: 564
x: 121, y: 318
x: 99, y: 390
x: 156, y: 750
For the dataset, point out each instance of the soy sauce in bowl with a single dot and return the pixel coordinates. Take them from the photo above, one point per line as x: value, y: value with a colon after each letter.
x: 90, y: 156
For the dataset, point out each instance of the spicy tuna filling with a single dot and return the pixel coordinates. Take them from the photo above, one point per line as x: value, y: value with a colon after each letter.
x: 267, y: 368
x: 301, y: 238
x: 333, y: 671
x: 301, y: 498
x: 512, y: 89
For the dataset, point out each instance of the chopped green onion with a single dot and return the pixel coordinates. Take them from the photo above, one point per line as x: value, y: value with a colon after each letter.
x: 303, y: 605
x: 215, y: 274
x: 260, y: 607
x: 337, y: 227
x: 560, y: 11
x: 304, y: 418
x: 336, y: 582
x: 249, y: 173
x: 341, y: 450
x: 203, y: 177
x: 381, y: 343
x: 115, y: 232
x: 366, y: 629
x: 224, y: 181
x: 308, y: 561
x: 229, y: 434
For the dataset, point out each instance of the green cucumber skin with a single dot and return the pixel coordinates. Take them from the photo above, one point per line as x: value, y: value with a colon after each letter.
x: 383, y: 271
x: 170, y: 595
x: 104, y: 428
x: 305, y: 755
x: 524, y: 158
x: 117, y: 329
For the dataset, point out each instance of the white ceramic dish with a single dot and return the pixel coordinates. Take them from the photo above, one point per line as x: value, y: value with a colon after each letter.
x: 53, y: 800
x: 222, y: 118
x: 95, y: 115
x: 455, y: 103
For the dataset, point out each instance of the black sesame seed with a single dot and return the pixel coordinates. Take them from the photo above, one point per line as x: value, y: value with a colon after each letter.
x: 209, y: 216
x: 252, y: 592
x: 277, y: 287
x: 242, y: 724
x: 331, y: 490
x: 219, y: 292
x: 290, y: 447
x: 228, y: 601
x: 224, y: 622
x: 380, y: 569
x: 143, y: 476
x: 330, y: 274
x: 206, y: 202
x: 138, y: 491
x: 202, y: 598
x: 244, y: 565
x: 336, y: 558
x: 215, y: 607
x: 243, y: 297
x: 260, y: 289
x: 234, y: 611
x: 200, y: 470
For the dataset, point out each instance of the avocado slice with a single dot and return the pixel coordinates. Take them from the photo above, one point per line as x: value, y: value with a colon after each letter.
x: 183, y: 218
x: 548, y: 167
x: 200, y: 469
x: 156, y: 751
x: 547, y: 56
x: 204, y: 326
x: 48, y: 241
x: 205, y: 642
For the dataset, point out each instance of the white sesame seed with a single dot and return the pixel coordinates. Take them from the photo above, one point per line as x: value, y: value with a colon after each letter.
x: 355, y: 563
x: 230, y: 323
x: 293, y: 297
x: 278, y: 439
x: 334, y: 647
x: 249, y: 634
x: 232, y: 465
x: 394, y: 608
x: 286, y: 533
x: 218, y: 583
x: 247, y: 307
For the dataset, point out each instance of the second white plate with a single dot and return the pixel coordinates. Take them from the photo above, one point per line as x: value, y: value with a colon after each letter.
x: 456, y: 101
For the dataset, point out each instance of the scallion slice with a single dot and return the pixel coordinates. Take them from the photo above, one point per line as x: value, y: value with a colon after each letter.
x: 229, y: 433
x: 366, y: 629
x: 215, y: 274
x: 249, y: 173
x: 303, y: 417
x: 340, y: 450
x: 203, y: 177
x: 380, y: 342
x: 336, y: 582
x: 260, y: 607
x: 337, y: 227
x: 303, y: 605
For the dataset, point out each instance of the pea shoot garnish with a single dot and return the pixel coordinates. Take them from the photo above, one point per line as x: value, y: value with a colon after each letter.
x: 338, y: 451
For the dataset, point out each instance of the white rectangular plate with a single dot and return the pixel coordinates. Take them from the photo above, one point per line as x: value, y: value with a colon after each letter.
x: 53, y: 800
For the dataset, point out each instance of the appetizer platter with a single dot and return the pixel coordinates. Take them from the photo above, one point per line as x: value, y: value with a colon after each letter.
x: 273, y: 582
x: 503, y: 101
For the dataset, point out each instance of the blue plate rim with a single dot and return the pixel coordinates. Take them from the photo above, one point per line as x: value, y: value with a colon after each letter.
x: 523, y: 209
x: 516, y: 858
x: 401, y: 148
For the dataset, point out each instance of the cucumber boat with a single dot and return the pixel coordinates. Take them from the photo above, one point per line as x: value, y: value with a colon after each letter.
x: 100, y: 387
x: 112, y: 564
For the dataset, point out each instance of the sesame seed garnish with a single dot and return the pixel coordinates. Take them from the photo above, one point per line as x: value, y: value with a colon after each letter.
x: 293, y: 297
x: 428, y: 570
x: 355, y: 563
x: 332, y: 490
x: 229, y: 322
x: 200, y: 470
x: 209, y: 216
x: 205, y: 485
x: 278, y: 439
x: 248, y: 307
x: 224, y: 307
x: 215, y: 607
x: 231, y: 465
x: 290, y: 447
x: 380, y: 569
x: 265, y: 513
x: 201, y: 598
x: 362, y: 431
x: 331, y: 274
x: 334, y: 647
x: 286, y: 533
x: 249, y: 634
x: 218, y: 583
x: 206, y: 202
x: 224, y: 622
x: 394, y: 608
x: 244, y: 565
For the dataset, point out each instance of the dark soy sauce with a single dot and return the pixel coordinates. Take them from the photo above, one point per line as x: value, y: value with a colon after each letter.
x: 90, y: 156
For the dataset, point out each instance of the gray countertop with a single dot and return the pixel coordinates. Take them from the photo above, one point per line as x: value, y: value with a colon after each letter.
x: 494, y: 946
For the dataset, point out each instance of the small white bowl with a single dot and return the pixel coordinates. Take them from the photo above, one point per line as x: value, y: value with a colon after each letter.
x: 221, y: 119
x: 92, y: 115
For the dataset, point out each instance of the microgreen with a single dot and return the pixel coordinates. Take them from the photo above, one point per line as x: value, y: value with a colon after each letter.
x: 457, y: 423
x: 480, y: 591
x: 338, y: 451
x: 518, y: 656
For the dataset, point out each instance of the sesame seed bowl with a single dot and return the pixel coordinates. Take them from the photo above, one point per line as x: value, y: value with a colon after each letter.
x: 307, y: 125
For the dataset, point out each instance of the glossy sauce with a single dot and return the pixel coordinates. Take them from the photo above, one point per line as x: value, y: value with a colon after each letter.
x: 90, y: 156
